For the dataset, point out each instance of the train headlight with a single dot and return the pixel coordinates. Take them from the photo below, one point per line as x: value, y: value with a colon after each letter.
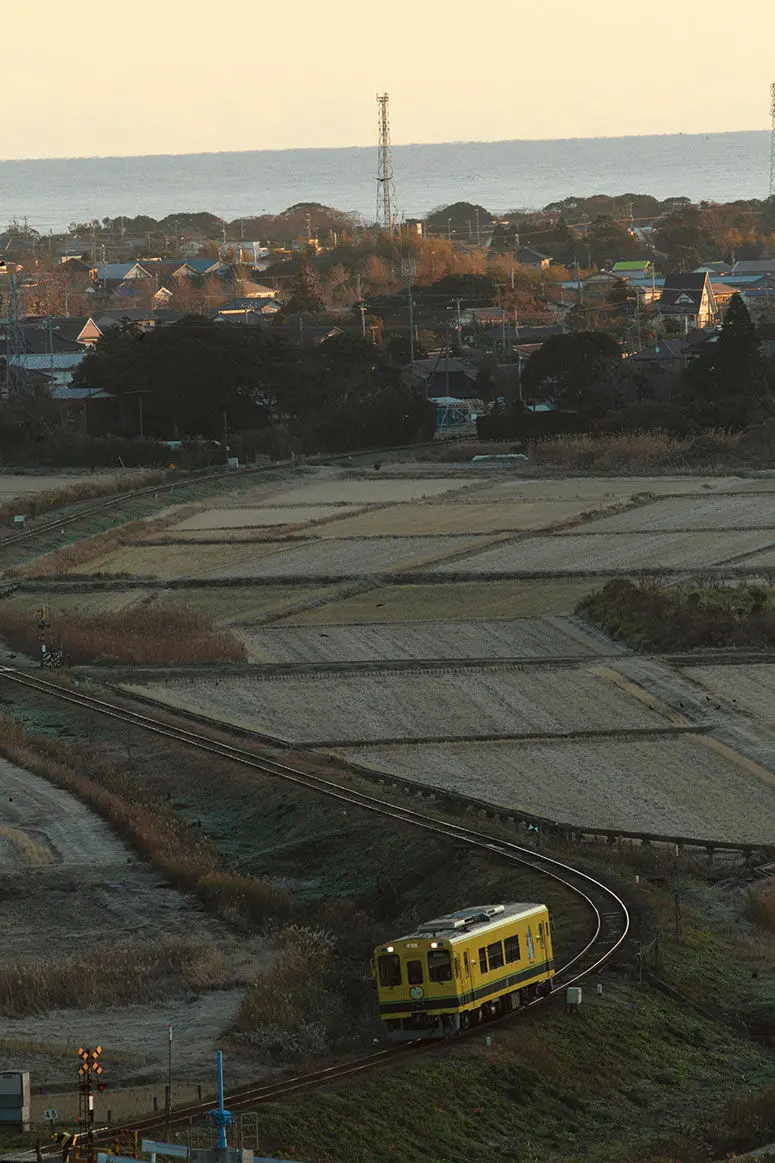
x: 389, y: 948
x: 434, y: 944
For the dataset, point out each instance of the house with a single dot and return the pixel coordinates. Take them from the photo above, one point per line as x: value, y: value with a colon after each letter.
x: 714, y: 269
x: 258, y: 291
x: 81, y: 330
x: 446, y: 376
x: 528, y: 256
x: 632, y: 268
x: 57, y: 367
x: 482, y: 316
x: 247, y: 310
x: 722, y: 293
x: 759, y: 266
x: 688, y: 297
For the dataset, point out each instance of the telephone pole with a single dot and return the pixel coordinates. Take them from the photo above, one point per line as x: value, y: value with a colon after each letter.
x: 386, y: 186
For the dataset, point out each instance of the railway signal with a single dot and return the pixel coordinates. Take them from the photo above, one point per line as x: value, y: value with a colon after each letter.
x: 89, y: 1076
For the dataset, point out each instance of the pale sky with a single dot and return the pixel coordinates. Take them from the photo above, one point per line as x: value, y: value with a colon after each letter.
x: 184, y: 76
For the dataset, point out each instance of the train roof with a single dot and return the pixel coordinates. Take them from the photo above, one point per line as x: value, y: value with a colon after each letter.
x: 477, y: 919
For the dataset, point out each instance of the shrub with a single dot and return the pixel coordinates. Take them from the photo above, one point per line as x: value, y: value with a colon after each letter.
x: 650, y: 615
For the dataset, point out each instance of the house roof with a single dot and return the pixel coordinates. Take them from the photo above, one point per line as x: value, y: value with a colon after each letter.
x: 113, y: 270
x: 714, y: 268
x: 524, y: 251
x: 70, y: 393
x: 638, y: 264
x: 683, y: 291
x: 245, y: 303
x: 426, y: 367
x: 59, y: 361
x: 761, y: 266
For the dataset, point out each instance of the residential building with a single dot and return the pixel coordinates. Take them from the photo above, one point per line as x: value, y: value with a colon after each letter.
x: 444, y: 376
x: 482, y: 316
x: 759, y: 266
x: 528, y: 256
x: 688, y: 297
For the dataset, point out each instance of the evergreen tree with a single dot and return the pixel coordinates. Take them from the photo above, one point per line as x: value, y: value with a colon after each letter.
x: 727, y: 387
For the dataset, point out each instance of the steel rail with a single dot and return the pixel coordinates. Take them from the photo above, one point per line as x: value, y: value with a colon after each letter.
x: 609, y: 911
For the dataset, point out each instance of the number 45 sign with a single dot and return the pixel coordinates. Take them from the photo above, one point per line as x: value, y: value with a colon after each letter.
x: 51, y: 1115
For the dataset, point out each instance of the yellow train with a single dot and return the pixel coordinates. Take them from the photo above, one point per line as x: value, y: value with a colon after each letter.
x: 460, y: 968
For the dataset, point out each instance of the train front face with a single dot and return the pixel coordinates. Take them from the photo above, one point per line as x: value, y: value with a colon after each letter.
x: 419, y: 993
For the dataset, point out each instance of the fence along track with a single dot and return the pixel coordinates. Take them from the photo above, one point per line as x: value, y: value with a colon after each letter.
x: 610, y: 917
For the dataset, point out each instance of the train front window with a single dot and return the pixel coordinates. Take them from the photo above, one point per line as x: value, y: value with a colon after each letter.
x: 414, y: 972
x: 439, y: 965
x: 390, y: 969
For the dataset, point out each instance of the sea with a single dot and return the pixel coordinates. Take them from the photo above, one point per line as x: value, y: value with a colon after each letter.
x: 53, y: 193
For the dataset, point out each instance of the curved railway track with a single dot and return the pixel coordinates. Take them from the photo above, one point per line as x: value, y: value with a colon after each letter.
x: 609, y: 916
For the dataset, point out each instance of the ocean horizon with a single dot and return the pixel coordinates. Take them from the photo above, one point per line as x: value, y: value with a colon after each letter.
x: 52, y: 193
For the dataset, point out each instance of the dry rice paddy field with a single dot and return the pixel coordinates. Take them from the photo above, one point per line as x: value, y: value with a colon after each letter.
x: 671, y: 786
x: 621, y: 552
x: 508, y: 638
x: 399, y: 618
x: 454, y: 702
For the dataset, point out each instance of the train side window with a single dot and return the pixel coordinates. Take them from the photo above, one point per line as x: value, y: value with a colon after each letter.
x: 511, y: 946
x: 389, y: 969
x: 439, y: 965
x: 495, y: 955
x: 483, y: 960
x: 466, y: 963
x: 414, y: 972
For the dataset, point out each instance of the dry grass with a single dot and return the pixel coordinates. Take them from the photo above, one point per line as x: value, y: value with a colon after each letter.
x: 145, y: 635
x: 636, y: 451
x: 30, y: 851
x: 82, y: 490
x: 760, y: 906
x: 119, y: 974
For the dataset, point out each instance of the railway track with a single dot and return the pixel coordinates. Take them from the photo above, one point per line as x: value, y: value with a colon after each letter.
x: 609, y: 916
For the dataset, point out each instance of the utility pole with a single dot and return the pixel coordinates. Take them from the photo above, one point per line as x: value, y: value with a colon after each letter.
x: 169, y: 1080
x: 411, y: 338
x: 362, y: 308
x: 386, y: 185
x: 772, y: 139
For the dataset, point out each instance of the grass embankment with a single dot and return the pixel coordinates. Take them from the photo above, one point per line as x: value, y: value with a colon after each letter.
x: 142, y: 634
x: 93, y: 488
x: 634, y: 1077
x: 650, y: 615
x: 71, y: 557
x: 121, y: 973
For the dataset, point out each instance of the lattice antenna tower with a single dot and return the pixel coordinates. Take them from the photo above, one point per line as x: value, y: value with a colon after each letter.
x: 387, y: 202
x: 772, y: 139
x: 15, y: 346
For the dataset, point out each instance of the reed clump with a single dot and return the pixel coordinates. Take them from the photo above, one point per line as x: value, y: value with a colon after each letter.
x: 140, y: 634
x: 122, y: 973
